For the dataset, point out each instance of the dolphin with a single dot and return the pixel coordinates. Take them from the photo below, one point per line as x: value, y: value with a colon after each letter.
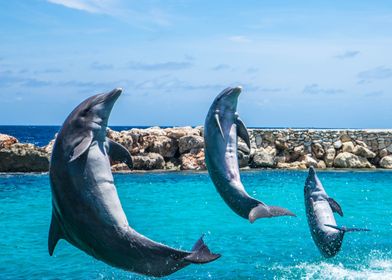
x: 86, y: 210
x: 327, y: 236
x: 222, y: 125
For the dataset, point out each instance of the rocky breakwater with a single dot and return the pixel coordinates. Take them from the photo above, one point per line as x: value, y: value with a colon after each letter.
x: 19, y: 157
x: 182, y: 148
x: 299, y: 149
x: 177, y: 148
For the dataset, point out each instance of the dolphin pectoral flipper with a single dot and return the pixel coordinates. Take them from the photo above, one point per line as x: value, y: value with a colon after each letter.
x: 82, y: 147
x: 335, y: 206
x: 55, y: 234
x: 118, y: 152
x: 201, y: 254
x: 242, y: 132
x: 346, y: 229
x: 265, y: 211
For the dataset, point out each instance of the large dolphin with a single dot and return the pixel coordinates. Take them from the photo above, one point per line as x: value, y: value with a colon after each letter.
x: 86, y: 208
x: 319, y: 212
x: 221, y: 128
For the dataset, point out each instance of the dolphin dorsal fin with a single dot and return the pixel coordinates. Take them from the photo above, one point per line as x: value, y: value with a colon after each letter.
x: 242, y: 132
x: 82, y: 147
x: 219, y: 125
x: 335, y: 206
x: 55, y: 234
x: 118, y: 152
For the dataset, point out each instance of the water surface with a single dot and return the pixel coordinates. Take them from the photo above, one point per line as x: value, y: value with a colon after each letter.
x: 176, y: 208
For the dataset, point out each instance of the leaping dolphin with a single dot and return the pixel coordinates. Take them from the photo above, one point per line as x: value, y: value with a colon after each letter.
x: 221, y: 128
x: 327, y: 236
x: 86, y: 208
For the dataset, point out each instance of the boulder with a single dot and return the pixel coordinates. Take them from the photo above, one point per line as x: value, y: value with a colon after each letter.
x: 321, y: 164
x: 383, y: 153
x: 309, y: 161
x: 329, y: 156
x: 24, y: 158
x: 348, y: 147
x: 261, y: 158
x: 345, y: 138
x: 187, y: 143
x: 318, y: 150
x: 281, y: 144
x: 124, y: 138
x: 148, y: 161
x: 163, y: 145
x: 297, y: 152
x: 386, y: 162
x: 337, y: 145
x: 363, y: 152
x: 349, y: 160
x: 193, y: 160
x: 7, y: 140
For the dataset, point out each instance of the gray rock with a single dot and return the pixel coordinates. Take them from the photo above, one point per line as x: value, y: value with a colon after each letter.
x: 386, y: 162
x: 163, y: 145
x: 318, y: 150
x: 349, y: 160
x: 187, y: 143
x: 337, y: 145
x: 329, y: 156
x: 363, y: 152
x: 148, y: 161
x: 383, y: 153
x: 348, y: 147
x: 262, y: 158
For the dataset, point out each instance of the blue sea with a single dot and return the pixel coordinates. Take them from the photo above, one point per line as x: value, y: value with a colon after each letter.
x: 176, y: 208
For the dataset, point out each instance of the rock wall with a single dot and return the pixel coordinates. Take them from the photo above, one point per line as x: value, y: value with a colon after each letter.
x: 182, y: 148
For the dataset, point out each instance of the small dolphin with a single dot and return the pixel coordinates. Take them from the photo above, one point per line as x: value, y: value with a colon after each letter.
x: 86, y: 208
x: 319, y: 212
x: 221, y: 128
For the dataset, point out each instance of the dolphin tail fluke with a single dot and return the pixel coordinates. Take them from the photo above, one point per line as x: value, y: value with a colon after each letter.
x: 201, y: 254
x: 346, y: 229
x: 265, y: 211
x: 55, y: 234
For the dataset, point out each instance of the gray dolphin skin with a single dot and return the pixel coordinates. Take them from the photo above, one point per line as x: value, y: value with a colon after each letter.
x: 221, y: 128
x: 327, y: 236
x: 86, y: 208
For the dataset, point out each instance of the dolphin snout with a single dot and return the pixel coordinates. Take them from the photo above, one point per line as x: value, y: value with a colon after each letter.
x: 114, y: 94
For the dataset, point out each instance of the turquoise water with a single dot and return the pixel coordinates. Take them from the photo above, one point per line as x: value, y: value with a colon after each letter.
x: 176, y: 208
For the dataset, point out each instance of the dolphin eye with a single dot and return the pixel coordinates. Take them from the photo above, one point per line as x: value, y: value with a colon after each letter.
x: 85, y: 111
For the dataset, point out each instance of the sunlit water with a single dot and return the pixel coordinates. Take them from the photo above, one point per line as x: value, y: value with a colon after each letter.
x: 176, y: 208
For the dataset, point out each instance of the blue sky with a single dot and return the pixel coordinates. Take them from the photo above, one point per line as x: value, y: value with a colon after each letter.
x: 301, y: 63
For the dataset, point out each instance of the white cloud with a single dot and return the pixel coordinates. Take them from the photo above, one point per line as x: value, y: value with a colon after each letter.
x: 239, y: 39
x: 142, y: 15
x: 90, y: 6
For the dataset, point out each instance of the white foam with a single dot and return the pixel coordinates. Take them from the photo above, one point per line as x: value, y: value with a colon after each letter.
x: 373, y: 268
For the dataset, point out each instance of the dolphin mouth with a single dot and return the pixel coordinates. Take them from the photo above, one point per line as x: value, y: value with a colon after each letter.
x: 114, y: 94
